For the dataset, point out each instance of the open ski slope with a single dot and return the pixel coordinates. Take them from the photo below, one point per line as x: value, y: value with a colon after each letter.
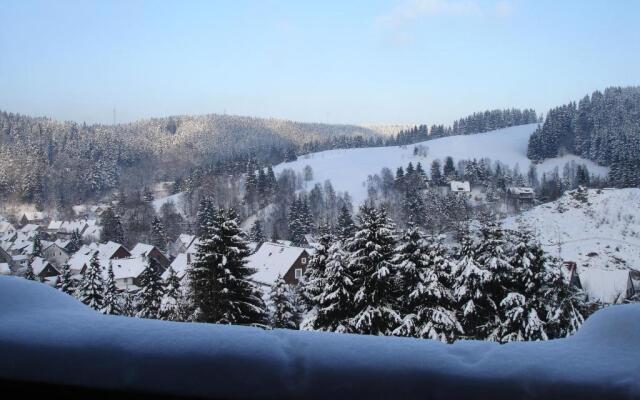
x: 601, y: 234
x: 348, y: 169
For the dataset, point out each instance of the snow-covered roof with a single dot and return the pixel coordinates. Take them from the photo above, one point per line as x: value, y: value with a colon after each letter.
x: 6, y: 227
x: 71, y: 226
x: 4, y: 269
x: 185, y: 239
x: 92, y: 231
x: 54, y: 225
x: 520, y: 190
x: 29, y: 228
x: 179, y: 265
x: 34, y: 215
x: 606, y: 285
x: 457, y: 186
x: 124, y: 268
x: 39, y: 264
x: 78, y: 261
x: 273, y: 260
x: 107, y: 250
x: 193, y: 247
x: 141, y: 249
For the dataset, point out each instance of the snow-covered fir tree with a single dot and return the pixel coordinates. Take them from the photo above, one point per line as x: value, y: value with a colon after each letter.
x: 112, y: 229
x: 37, y: 246
x: 158, y: 234
x: 335, y: 303
x: 75, y: 241
x: 91, y: 288
x: 428, y: 306
x: 28, y: 273
x: 284, y: 312
x: 66, y: 283
x: 369, y: 262
x: 170, y: 308
x: 219, y: 278
x: 469, y: 289
x: 257, y: 233
x: 345, y: 226
x: 313, y: 281
x: 111, y: 304
x: 151, y: 291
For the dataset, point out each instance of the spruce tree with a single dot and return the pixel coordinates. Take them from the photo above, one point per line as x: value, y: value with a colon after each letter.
x: 91, y: 288
x: 66, y: 283
x: 257, y: 234
x: 158, y: 234
x: 111, y: 226
x: 284, y: 313
x: 111, y: 304
x: 371, y: 250
x: 28, y: 273
x: 75, y: 241
x: 313, y: 281
x: 170, y: 308
x: 37, y: 246
x: 345, y: 226
x: 335, y: 303
x: 151, y: 291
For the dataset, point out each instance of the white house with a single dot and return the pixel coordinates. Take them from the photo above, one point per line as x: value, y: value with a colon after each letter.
x: 459, y: 186
x: 272, y: 260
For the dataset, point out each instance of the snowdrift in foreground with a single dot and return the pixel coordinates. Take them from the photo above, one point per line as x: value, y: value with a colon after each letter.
x: 47, y: 336
x: 348, y: 168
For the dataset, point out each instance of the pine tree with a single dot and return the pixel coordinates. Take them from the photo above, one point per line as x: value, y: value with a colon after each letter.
x: 335, y: 303
x: 257, y: 234
x: 29, y: 274
x: 427, y: 303
x: 111, y: 304
x: 469, y: 289
x: 91, y: 288
x: 37, y: 246
x: 75, y: 241
x: 66, y: 283
x: 564, y: 303
x: 284, y: 313
x: 128, y: 306
x: 345, y: 225
x: 170, y: 306
x: 111, y: 227
x: 313, y: 281
x: 151, y: 291
x: 158, y: 234
x: 219, y: 277
x: 371, y: 249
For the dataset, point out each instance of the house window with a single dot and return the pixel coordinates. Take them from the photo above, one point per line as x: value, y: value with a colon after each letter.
x: 303, y: 260
x: 298, y: 273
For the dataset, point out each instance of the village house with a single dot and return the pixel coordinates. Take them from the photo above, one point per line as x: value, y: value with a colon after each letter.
x: 126, y: 272
x: 520, y: 198
x: 30, y: 229
x: 6, y: 228
x: 460, y: 187
x: 150, y: 252
x: 33, y: 217
x: 43, y: 269
x: 181, y: 244
x: 57, y: 252
x: 180, y: 264
x: 272, y: 260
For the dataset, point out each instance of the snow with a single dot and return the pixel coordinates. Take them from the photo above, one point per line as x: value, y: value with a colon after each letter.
x: 47, y: 336
x: 179, y: 265
x: 457, y: 186
x: 5, y: 269
x: 176, y: 199
x: 602, y: 235
x: 348, y: 169
x: 273, y: 260
x: 141, y: 250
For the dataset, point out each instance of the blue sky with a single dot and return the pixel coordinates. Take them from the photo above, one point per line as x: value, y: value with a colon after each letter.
x: 404, y: 61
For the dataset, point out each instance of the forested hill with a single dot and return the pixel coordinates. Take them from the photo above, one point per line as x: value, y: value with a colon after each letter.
x: 42, y: 160
x: 603, y: 127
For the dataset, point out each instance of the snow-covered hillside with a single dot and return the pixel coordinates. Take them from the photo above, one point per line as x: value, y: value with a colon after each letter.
x: 599, y: 230
x: 348, y: 169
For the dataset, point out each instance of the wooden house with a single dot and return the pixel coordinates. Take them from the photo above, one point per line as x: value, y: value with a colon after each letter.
x: 149, y: 251
x: 272, y: 260
x: 520, y: 198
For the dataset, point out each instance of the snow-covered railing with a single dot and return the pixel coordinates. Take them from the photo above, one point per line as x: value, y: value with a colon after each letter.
x: 49, y: 337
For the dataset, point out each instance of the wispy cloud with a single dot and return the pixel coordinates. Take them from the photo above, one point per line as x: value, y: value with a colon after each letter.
x: 408, y: 12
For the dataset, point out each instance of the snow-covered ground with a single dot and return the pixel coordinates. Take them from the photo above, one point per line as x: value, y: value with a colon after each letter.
x: 176, y: 199
x: 348, y: 169
x: 48, y: 336
x: 602, y: 235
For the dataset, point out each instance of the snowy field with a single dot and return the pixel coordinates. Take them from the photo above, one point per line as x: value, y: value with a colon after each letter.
x: 348, y: 169
x: 48, y: 336
x: 602, y: 235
